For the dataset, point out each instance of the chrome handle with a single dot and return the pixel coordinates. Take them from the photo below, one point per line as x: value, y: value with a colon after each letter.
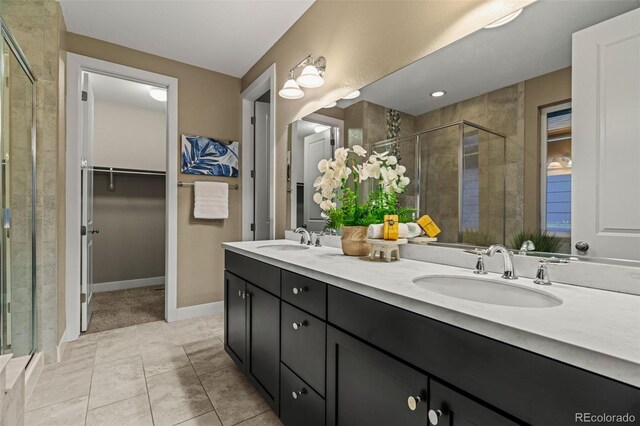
x: 479, y: 269
x: 434, y: 416
x: 298, y: 394
x: 298, y: 325
x: 242, y: 293
x: 297, y: 290
x: 239, y: 293
x: 413, y: 402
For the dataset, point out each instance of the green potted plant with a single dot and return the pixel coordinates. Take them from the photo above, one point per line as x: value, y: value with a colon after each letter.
x: 338, y: 194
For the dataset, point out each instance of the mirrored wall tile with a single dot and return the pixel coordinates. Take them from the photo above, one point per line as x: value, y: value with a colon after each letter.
x: 177, y: 396
x: 67, y: 413
x: 129, y: 412
x: 117, y: 380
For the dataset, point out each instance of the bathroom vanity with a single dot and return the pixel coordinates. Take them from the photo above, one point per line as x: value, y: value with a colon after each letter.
x: 329, y: 339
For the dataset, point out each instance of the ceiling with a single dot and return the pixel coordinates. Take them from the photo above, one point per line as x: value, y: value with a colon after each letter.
x: 536, y: 43
x: 225, y: 36
x: 111, y: 89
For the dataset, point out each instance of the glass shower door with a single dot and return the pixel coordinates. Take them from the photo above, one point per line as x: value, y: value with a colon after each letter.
x: 17, y: 147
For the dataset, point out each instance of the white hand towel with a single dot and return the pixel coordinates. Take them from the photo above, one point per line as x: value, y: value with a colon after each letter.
x: 405, y: 230
x: 211, y: 200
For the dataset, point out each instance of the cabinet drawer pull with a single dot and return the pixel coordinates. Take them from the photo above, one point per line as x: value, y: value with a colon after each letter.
x: 434, y: 416
x: 297, y: 290
x: 298, y: 325
x: 298, y: 394
x: 412, y: 402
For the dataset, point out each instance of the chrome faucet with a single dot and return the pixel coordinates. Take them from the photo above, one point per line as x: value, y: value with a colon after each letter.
x: 306, y: 237
x: 509, y: 269
x: 526, y: 246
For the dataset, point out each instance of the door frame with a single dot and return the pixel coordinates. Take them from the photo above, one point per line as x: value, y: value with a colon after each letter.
x: 266, y: 81
x: 76, y: 64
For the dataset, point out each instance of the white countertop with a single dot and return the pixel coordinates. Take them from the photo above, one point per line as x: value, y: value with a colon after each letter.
x: 593, y: 329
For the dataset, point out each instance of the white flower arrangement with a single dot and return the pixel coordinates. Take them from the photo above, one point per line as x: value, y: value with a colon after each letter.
x: 382, y: 167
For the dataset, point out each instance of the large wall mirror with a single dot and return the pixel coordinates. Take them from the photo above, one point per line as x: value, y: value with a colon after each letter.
x: 496, y: 158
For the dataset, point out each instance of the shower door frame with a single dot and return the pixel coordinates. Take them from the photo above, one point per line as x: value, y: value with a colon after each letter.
x: 7, y: 37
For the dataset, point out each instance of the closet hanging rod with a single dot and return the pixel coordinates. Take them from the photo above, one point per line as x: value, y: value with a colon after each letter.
x: 231, y: 186
x: 128, y: 172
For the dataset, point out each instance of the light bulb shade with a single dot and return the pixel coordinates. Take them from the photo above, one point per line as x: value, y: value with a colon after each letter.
x: 504, y: 20
x: 291, y: 90
x: 331, y: 105
x: 310, y: 77
x: 352, y: 95
x: 158, y: 94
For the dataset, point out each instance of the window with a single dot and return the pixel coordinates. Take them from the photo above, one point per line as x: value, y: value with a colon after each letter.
x: 556, y: 170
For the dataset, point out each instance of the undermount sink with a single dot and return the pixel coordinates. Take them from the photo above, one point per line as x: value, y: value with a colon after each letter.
x: 283, y: 247
x: 494, y: 292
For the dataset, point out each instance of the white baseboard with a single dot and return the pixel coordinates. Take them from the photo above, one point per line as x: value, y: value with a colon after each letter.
x: 123, y: 285
x: 199, y: 310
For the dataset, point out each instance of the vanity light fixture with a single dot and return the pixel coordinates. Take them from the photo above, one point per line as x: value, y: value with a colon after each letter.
x: 504, y: 20
x: 312, y: 76
x: 291, y: 90
x: 438, y: 93
x: 331, y: 105
x: 158, y: 94
x: 321, y: 128
x: 352, y: 95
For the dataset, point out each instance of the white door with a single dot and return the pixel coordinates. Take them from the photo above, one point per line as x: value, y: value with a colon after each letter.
x: 87, y: 230
x: 316, y: 147
x: 262, y: 171
x: 606, y: 141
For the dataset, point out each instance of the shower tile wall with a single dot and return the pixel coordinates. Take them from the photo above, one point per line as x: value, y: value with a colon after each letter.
x: 38, y: 27
x: 503, y: 111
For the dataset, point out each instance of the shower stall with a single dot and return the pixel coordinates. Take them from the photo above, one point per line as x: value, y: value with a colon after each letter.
x: 17, y: 191
x: 458, y: 178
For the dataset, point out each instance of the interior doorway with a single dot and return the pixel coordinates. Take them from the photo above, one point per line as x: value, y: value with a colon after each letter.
x: 121, y: 196
x: 123, y: 202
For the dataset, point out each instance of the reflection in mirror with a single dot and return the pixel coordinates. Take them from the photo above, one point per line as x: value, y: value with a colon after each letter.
x: 492, y: 159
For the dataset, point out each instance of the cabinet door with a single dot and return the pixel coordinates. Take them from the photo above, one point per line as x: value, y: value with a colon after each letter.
x: 263, y: 339
x: 235, y: 318
x: 299, y: 405
x: 450, y: 408
x: 367, y: 387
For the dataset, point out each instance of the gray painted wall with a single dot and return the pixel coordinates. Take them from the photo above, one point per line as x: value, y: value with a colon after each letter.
x: 131, y: 220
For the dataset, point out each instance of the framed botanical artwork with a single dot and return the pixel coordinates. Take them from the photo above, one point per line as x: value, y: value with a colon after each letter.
x: 209, y: 156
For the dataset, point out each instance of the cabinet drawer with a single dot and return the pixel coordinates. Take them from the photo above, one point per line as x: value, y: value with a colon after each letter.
x: 305, y: 293
x: 257, y: 273
x: 306, y: 408
x: 303, y: 347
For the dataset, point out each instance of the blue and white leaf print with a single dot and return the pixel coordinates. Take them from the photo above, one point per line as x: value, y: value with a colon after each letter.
x: 208, y: 156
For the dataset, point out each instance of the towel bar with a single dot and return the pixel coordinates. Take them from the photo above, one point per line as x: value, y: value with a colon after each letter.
x: 231, y: 186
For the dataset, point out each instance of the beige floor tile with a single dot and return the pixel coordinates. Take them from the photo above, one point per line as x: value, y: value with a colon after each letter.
x: 68, y: 413
x: 129, y: 412
x: 215, y: 321
x: 117, y: 380
x: 160, y: 359
x: 117, y: 348
x: 209, y: 419
x: 208, y: 356
x: 155, y: 333
x: 233, y: 397
x: 265, y: 419
x: 177, y: 396
x: 64, y: 369
x: 73, y: 386
x: 79, y: 350
x: 191, y: 331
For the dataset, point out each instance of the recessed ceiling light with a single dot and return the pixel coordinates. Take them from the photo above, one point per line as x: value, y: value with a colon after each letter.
x: 352, y: 95
x: 505, y: 19
x: 158, y: 94
x: 331, y: 105
x: 321, y: 128
x: 438, y: 93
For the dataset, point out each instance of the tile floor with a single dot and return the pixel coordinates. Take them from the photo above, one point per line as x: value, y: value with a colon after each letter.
x: 150, y: 374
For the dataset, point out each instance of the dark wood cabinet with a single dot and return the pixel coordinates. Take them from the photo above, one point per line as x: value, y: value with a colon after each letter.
x: 367, y: 387
x: 300, y: 405
x: 235, y: 318
x: 252, y: 335
x: 450, y: 408
x: 263, y: 343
